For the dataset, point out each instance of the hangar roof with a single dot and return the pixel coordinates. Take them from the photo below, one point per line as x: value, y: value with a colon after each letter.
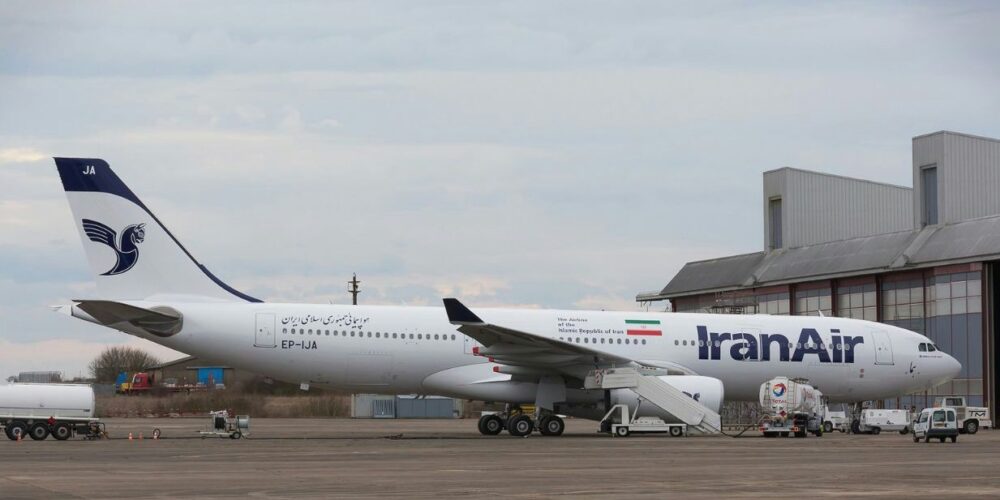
x: 972, y: 240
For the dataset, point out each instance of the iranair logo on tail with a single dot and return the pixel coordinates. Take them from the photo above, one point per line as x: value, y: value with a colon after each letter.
x: 126, y: 247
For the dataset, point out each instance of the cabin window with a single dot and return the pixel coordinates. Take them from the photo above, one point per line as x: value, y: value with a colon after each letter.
x: 643, y: 341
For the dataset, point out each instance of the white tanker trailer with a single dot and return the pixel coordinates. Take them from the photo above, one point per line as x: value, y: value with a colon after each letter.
x: 791, y: 406
x: 40, y: 410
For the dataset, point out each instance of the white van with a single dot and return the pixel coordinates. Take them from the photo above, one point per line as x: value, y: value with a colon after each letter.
x: 941, y: 423
x: 875, y: 421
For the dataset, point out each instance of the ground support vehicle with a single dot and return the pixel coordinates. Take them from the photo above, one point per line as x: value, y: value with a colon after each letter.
x: 791, y: 407
x: 623, y: 424
x: 224, y: 424
x: 970, y: 418
x: 940, y: 423
x: 42, y: 410
x: 874, y: 421
x: 835, y: 420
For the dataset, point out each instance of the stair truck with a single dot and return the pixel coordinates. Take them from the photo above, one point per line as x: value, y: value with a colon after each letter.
x: 791, y: 407
x: 40, y: 410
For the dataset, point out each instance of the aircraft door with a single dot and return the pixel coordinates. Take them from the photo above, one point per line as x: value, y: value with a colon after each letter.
x: 264, y: 330
x: 883, y: 348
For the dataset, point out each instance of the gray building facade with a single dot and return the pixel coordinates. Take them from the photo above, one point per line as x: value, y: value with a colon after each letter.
x: 926, y: 259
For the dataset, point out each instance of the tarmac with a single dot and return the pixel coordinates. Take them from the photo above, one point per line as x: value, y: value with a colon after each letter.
x: 327, y: 458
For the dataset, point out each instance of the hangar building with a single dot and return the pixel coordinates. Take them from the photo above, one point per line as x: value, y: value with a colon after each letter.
x: 925, y: 258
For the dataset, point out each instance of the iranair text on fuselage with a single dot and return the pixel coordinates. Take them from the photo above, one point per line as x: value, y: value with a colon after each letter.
x: 758, y: 347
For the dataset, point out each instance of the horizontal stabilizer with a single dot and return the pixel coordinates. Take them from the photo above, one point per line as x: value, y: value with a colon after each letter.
x: 160, y: 321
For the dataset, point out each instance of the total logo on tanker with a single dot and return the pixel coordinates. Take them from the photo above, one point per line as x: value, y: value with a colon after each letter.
x: 778, y: 390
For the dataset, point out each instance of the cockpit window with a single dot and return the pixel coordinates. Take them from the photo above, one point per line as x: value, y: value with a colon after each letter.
x: 923, y: 347
x: 931, y: 347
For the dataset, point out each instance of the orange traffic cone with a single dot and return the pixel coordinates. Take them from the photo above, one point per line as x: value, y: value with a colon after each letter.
x: 130, y: 436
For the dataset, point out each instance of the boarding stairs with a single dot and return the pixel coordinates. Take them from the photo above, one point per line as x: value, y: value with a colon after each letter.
x: 697, y: 416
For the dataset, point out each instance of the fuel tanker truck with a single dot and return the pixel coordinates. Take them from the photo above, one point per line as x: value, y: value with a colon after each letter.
x: 40, y: 410
x: 791, y: 406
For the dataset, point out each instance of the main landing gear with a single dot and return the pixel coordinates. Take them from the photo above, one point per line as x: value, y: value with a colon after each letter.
x: 520, y: 424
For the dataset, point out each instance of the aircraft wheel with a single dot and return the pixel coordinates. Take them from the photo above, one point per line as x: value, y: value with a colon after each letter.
x: 971, y: 426
x: 622, y: 431
x: 520, y: 425
x: 39, y: 431
x: 676, y: 432
x: 490, y: 425
x: 62, y: 432
x: 552, y: 425
x: 855, y: 427
x: 827, y: 426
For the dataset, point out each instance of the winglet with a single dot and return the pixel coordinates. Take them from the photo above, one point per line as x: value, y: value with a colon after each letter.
x: 458, y: 314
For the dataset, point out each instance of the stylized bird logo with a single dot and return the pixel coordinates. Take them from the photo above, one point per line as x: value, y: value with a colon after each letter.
x: 125, y: 248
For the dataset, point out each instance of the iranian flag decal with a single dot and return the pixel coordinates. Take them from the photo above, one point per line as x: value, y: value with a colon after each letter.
x: 650, y: 327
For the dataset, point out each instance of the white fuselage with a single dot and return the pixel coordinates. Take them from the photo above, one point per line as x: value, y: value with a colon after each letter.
x: 402, y: 350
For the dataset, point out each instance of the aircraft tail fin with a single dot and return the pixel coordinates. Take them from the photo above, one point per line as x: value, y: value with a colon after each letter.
x: 131, y: 253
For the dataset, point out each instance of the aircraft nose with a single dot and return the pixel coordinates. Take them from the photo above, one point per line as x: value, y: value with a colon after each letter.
x: 947, y: 368
x: 953, y: 367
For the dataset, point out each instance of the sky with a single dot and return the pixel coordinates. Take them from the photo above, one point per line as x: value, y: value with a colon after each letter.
x: 555, y: 154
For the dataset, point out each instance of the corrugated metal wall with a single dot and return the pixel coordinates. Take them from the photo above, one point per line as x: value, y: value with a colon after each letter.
x: 819, y: 208
x: 968, y: 175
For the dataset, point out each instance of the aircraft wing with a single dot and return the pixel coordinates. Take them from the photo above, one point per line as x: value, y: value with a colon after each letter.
x: 517, y: 348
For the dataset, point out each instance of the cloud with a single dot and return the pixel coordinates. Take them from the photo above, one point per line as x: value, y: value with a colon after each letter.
x: 21, y: 155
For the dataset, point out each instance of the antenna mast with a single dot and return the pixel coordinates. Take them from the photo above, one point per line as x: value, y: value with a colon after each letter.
x: 354, y: 289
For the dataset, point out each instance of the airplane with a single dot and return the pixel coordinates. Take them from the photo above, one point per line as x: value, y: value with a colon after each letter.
x: 153, y: 288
